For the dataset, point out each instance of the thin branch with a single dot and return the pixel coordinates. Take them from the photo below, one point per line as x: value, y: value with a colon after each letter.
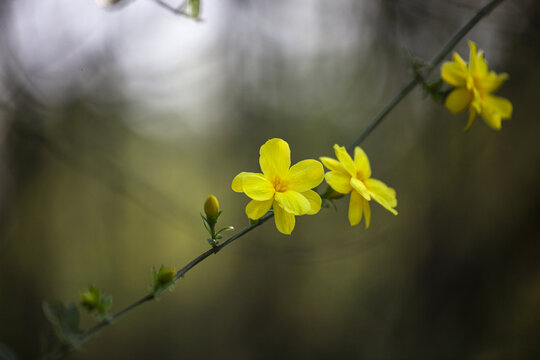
x: 87, y: 335
x: 460, y: 34
x: 375, y: 122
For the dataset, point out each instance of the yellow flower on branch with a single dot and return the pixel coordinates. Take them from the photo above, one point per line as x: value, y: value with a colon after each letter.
x: 474, y: 84
x: 354, y: 176
x: 284, y: 187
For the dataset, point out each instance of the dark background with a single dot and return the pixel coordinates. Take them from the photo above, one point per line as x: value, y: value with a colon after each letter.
x: 117, y: 123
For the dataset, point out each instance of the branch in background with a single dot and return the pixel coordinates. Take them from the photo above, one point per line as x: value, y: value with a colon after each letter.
x: 189, y: 8
x: 447, y: 48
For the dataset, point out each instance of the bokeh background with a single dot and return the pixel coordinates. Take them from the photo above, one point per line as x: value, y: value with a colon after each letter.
x: 116, y: 123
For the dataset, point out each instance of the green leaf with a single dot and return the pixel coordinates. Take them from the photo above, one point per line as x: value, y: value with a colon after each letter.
x: 64, y: 318
x: 226, y: 228
x: 207, y: 225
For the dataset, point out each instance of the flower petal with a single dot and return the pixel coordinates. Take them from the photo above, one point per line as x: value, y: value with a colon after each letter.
x: 345, y: 159
x: 355, y: 208
x: 305, y: 175
x: 275, y: 158
x: 315, y: 201
x: 455, y: 72
x: 237, y: 183
x: 360, y: 187
x: 367, y: 212
x: 458, y: 100
x: 361, y: 162
x: 256, y: 209
x: 472, y: 116
x: 495, y: 109
x: 284, y: 221
x: 491, y: 82
x: 384, y: 195
x: 293, y: 202
x: 477, y: 65
x: 339, y: 181
x: 500, y: 105
x: 257, y: 187
x: 333, y: 164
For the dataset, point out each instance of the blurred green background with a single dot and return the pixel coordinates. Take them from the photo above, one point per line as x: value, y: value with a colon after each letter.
x: 116, y: 123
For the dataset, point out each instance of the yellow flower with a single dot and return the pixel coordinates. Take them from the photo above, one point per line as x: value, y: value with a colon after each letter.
x: 348, y: 176
x: 284, y: 187
x: 474, y: 84
x: 211, y: 207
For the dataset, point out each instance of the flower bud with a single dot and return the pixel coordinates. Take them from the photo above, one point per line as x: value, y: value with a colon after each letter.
x: 162, y: 279
x: 90, y: 298
x: 211, y: 207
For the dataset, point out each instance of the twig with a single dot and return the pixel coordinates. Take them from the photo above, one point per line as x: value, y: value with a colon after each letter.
x: 87, y: 335
x: 460, y: 34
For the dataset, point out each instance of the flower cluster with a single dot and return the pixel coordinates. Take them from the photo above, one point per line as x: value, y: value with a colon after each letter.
x: 288, y: 191
x: 474, y: 84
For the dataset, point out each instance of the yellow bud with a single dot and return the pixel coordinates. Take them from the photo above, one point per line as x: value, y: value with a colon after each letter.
x: 211, y: 207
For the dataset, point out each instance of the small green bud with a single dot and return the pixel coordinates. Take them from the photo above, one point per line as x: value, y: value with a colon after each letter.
x: 92, y: 300
x: 162, y: 279
x: 211, y: 207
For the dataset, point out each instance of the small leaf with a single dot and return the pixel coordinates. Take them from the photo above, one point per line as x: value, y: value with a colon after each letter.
x: 64, y: 318
x: 227, y: 228
x: 207, y: 225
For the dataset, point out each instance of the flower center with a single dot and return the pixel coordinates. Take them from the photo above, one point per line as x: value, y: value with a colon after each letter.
x: 280, y: 185
x: 474, y: 86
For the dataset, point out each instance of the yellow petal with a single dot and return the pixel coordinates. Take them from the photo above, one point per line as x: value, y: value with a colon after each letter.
x: 305, y: 175
x: 367, y: 212
x: 345, y: 159
x: 355, y: 208
x: 332, y: 164
x: 339, y: 181
x: 491, y: 82
x: 495, y: 109
x: 458, y: 100
x: 384, y: 195
x: 477, y: 65
x: 472, y: 116
x: 275, y: 158
x: 500, y: 105
x: 257, y: 187
x: 284, y: 220
x: 237, y: 183
x: 256, y: 209
x: 359, y: 186
x: 455, y: 72
x: 293, y: 202
x: 361, y: 162
x: 315, y: 201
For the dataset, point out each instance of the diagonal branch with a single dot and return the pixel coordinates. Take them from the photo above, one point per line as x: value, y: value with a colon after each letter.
x: 446, y: 49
